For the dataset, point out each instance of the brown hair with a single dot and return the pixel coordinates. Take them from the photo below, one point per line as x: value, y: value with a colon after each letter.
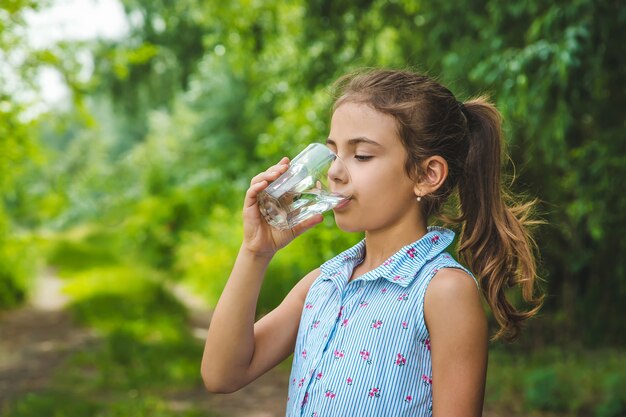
x: 495, y: 242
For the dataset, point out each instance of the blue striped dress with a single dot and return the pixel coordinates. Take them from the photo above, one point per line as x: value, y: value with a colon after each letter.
x: 362, y: 347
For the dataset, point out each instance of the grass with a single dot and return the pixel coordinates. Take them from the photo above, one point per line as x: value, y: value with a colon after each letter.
x: 555, y: 381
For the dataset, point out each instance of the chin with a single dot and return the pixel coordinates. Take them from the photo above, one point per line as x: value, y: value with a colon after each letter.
x: 347, y: 226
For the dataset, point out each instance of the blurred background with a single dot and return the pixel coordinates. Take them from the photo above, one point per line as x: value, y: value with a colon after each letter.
x: 129, y: 131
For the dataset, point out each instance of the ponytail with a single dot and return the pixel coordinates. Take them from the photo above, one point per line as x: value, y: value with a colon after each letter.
x: 495, y: 242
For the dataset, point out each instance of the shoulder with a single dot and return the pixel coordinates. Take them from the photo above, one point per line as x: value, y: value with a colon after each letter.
x: 453, y: 299
x: 453, y: 305
x: 452, y: 282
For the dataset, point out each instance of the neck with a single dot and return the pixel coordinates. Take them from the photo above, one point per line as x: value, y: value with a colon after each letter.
x: 381, y: 244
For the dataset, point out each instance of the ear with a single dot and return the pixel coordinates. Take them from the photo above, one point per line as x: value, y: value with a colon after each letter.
x: 434, y: 173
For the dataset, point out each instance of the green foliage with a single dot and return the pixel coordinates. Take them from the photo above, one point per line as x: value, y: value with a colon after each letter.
x: 159, y: 143
x: 557, y: 381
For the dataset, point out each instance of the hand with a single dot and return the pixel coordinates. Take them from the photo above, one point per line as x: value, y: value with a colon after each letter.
x: 259, y: 237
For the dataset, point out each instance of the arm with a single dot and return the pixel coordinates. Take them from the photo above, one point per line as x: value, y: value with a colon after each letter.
x: 237, y: 350
x: 458, y: 337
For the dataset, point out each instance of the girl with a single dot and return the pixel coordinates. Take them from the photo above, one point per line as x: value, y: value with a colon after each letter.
x: 393, y: 326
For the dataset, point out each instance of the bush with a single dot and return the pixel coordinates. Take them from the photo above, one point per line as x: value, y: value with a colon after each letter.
x: 18, y: 261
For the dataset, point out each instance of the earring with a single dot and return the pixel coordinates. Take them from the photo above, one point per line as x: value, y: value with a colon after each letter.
x: 419, y: 198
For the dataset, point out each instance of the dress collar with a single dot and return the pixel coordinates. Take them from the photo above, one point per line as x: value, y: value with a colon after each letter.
x: 400, y: 268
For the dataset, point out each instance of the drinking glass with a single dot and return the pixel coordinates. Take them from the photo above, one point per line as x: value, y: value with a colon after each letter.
x: 303, y: 190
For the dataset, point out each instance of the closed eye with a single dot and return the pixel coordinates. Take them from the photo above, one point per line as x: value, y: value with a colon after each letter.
x: 362, y: 157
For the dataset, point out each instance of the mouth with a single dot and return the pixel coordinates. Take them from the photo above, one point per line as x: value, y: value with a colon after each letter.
x: 343, y: 204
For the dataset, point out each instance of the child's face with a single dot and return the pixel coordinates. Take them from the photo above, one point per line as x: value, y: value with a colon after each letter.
x: 383, y: 195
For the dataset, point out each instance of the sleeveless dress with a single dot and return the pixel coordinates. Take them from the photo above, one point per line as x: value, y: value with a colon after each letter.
x: 362, y: 347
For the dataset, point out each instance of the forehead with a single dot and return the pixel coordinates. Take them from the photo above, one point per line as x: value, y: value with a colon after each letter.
x: 353, y: 120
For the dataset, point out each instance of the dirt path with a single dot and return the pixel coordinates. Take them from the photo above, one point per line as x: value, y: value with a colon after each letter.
x: 37, y: 338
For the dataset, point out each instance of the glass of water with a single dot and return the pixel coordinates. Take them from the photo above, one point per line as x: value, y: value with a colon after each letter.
x: 303, y: 190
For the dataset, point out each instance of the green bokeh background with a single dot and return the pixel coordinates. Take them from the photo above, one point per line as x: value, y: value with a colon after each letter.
x: 138, y: 180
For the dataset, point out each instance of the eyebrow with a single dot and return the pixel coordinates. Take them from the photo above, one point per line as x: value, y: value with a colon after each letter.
x: 356, y: 141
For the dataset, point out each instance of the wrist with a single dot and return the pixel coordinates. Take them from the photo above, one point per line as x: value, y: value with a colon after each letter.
x: 256, y: 256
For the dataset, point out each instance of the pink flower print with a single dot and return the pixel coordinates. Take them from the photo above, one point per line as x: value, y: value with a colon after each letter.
x: 305, y: 399
x: 349, y: 381
x: 314, y: 414
x: 408, y: 399
x: 388, y: 262
x: 384, y: 290
x: 403, y: 297
x: 365, y: 355
x: 376, y: 324
x: 400, y: 360
x: 300, y: 383
x: 427, y: 343
x: 318, y: 376
x: 427, y: 380
x: 434, y: 239
x: 304, y: 354
x: 398, y: 278
x: 293, y: 381
x: 363, y: 303
x: 374, y: 392
x: 344, y: 323
x: 405, y: 325
x: 308, y: 306
x: 339, y: 354
x: 446, y: 256
x: 315, y: 324
x: 340, y: 312
x: 411, y: 252
x: 330, y: 394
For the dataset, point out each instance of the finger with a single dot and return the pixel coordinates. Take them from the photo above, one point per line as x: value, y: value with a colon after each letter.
x: 270, y: 174
x: 307, y: 224
x: 253, y: 192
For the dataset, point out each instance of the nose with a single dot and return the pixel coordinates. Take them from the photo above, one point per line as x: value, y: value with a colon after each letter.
x: 338, y: 172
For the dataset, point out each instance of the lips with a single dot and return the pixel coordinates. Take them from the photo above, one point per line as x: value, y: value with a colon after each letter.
x: 342, y: 204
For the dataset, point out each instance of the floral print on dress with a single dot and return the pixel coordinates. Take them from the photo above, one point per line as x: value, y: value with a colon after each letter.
x: 435, y: 239
x: 330, y: 394
x: 427, y: 343
x: 400, y: 360
x: 405, y: 325
x: 408, y: 399
x: 403, y: 297
x: 376, y: 324
x: 374, y: 393
x: 308, y: 306
x: 365, y: 355
x: 427, y: 380
x: 411, y: 252
x: 349, y: 381
x: 339, y: 354
x: 315, y: 324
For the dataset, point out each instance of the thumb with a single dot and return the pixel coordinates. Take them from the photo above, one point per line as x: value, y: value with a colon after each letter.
x: 307, y: 224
